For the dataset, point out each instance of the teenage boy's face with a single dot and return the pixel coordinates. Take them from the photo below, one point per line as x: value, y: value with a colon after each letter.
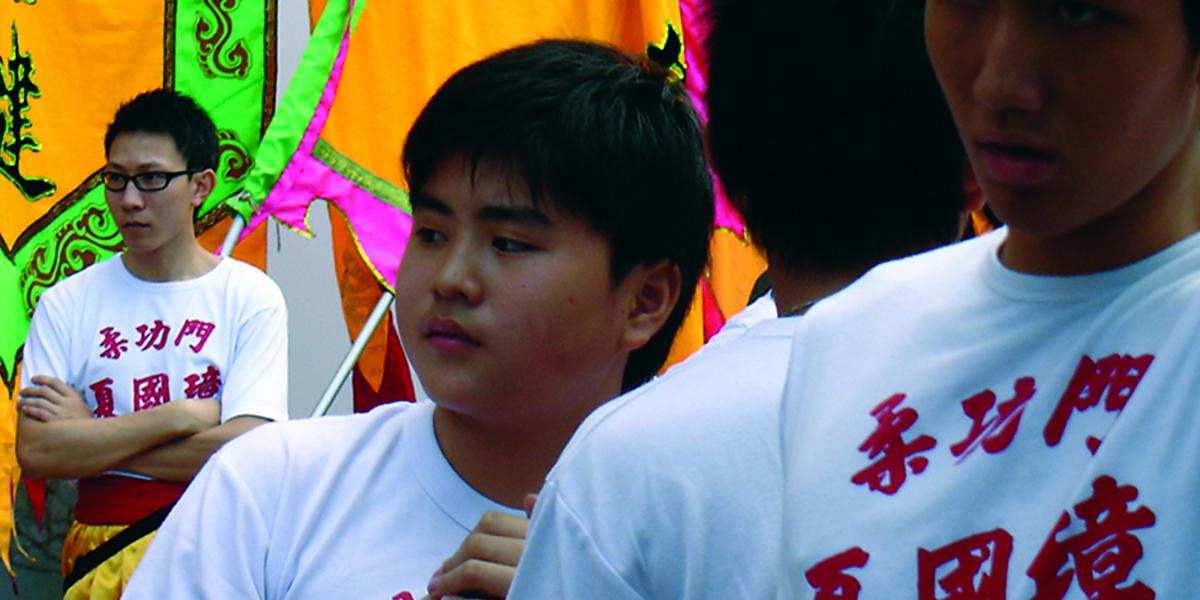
x: 152, y: 221
x: 505, y: 311
x: 1078, y: 117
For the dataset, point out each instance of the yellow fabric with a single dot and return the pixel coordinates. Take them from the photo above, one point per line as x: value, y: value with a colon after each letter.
x: 10, y: 471
x: 109, y: 578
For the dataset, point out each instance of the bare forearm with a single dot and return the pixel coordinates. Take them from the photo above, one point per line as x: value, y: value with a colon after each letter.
x: 180, y: 459
x: 74, y: 448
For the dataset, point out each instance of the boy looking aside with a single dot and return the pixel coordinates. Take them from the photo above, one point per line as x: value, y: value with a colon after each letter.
x: 140, y: 367
x: 1012, y: 417
x: 541, y: 279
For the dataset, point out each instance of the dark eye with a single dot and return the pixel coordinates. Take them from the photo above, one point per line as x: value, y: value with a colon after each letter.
x: 1076, y: 12
x: 151, y: 180
x: 511, y: 246
x: 429, y: 236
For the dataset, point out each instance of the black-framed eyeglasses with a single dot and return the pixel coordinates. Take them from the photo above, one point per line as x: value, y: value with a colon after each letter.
x: 149, y: 181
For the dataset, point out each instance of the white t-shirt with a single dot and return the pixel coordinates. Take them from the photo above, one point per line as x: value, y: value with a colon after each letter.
x: 952, y: 428
x: 131, y: 345
x: 672, y: 490
x: 359, y: 506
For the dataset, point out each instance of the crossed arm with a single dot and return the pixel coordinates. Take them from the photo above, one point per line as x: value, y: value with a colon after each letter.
x: 58, y: 438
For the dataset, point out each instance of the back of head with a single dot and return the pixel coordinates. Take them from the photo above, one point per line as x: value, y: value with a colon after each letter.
x: 175, y: 115
x: 598, y: 135
x: 829, y: 131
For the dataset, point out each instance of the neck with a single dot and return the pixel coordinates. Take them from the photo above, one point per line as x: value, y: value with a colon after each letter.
x: 1164, y: 212
x: 187, y: 261
x: 795, y: 291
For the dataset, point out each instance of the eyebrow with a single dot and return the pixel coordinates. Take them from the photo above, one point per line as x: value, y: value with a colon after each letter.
x: 141, y: 168
x: 495, y: 213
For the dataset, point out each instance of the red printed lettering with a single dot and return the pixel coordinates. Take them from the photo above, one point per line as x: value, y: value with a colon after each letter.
x: 102, y: 390
x: 151, y: 391
x: 889, y: 472
x: 153, y: 336
x: 829, y: 579
x: 113, y: 344
x: 203, y: 385
x: 1113, y: 379
x: 1100, y: 557
x: 996, y: 433
x: 958, y: 570
x: 197, y: 329
x: 403, y: 596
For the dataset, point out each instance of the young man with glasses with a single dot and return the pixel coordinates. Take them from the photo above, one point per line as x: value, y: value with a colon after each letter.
x: 139, y: 368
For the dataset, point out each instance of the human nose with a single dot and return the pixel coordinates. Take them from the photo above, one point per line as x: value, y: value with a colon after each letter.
x: 1008, y: 80
x: 458, y: 275
x: 130, y: 198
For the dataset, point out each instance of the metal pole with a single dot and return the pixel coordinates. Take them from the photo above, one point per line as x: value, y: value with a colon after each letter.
x: 356, y: 349
x: 231, y: 238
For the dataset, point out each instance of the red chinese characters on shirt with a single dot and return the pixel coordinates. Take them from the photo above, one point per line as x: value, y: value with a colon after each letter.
x: 203, y: 385
x: 151, y: 391
x: 200, y: 330
x: 153, y: 336
x: 996, y: 433
x: 102, y: 390
x: 889, y: 472
x: 113, y: 344
x: 1112, y: 378
x: 973, y: 568
x: 829, y: 579
x: 1102, y: 556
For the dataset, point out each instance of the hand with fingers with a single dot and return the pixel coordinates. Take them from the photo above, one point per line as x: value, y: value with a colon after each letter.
x: 484, y: 564
x: 51, y: 399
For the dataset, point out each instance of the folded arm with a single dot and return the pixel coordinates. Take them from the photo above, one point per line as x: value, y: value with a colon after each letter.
x: 181, y: 459
x: 58, y: 438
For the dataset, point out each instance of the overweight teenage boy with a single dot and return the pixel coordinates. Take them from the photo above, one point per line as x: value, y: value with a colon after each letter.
x: 1013, y: 417
x: 674, y: 490
x: 138, y: 368
x: 561, y: 214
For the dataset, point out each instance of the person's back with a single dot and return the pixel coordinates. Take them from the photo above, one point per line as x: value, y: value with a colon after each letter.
x: 536, y: 285
x: 1007, y: 418
x: 138, y: 368
x: 828, y: 130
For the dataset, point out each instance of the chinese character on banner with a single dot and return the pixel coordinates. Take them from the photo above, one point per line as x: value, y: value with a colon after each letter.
x: 113, y: 344
x: 102, y: 390
x: 889, y: 472
x: 966, y: 577
x: 996, y: 433
x: 829, y: 580
x: 151, y: 391
x: 1113, y: 379
x: 1100, y: 557
x: 203, y: 385
x: 153, y: 336
x: 197, y: 329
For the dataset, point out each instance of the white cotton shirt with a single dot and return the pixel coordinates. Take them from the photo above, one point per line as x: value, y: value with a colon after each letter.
x: 139, y: 343
x: 360, y: 506
x: 1095, y: 461
x: 672, y: 490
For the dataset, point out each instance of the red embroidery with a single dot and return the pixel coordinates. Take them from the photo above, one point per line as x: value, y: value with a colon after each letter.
x: 151, y: 391
x: 994, y: 434
x: 102, y: 390
x: 889, y: 472
x: 195, y: 328
x: 203, y: 385
x: 1103, y: 554
x: 153, y: 337
x: 1116, y: 374
x: 113, y: 344
x: 828, y: 579
x: 966, y: 579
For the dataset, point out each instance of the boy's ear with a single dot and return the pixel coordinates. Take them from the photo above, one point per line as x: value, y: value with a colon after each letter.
x: 205, y: 181
x: 652, y: 294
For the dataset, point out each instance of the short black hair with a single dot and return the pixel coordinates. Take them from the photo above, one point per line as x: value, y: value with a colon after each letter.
x: 598, y: 135
x: 829, y: 131
x: 174, y: 114
x: 1191, y: 18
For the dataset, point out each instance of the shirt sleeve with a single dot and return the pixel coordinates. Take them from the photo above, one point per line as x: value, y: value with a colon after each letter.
x: 561, y: 560
x: 47, y: 342
x: 258, y: 373
x: 214, y: 544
